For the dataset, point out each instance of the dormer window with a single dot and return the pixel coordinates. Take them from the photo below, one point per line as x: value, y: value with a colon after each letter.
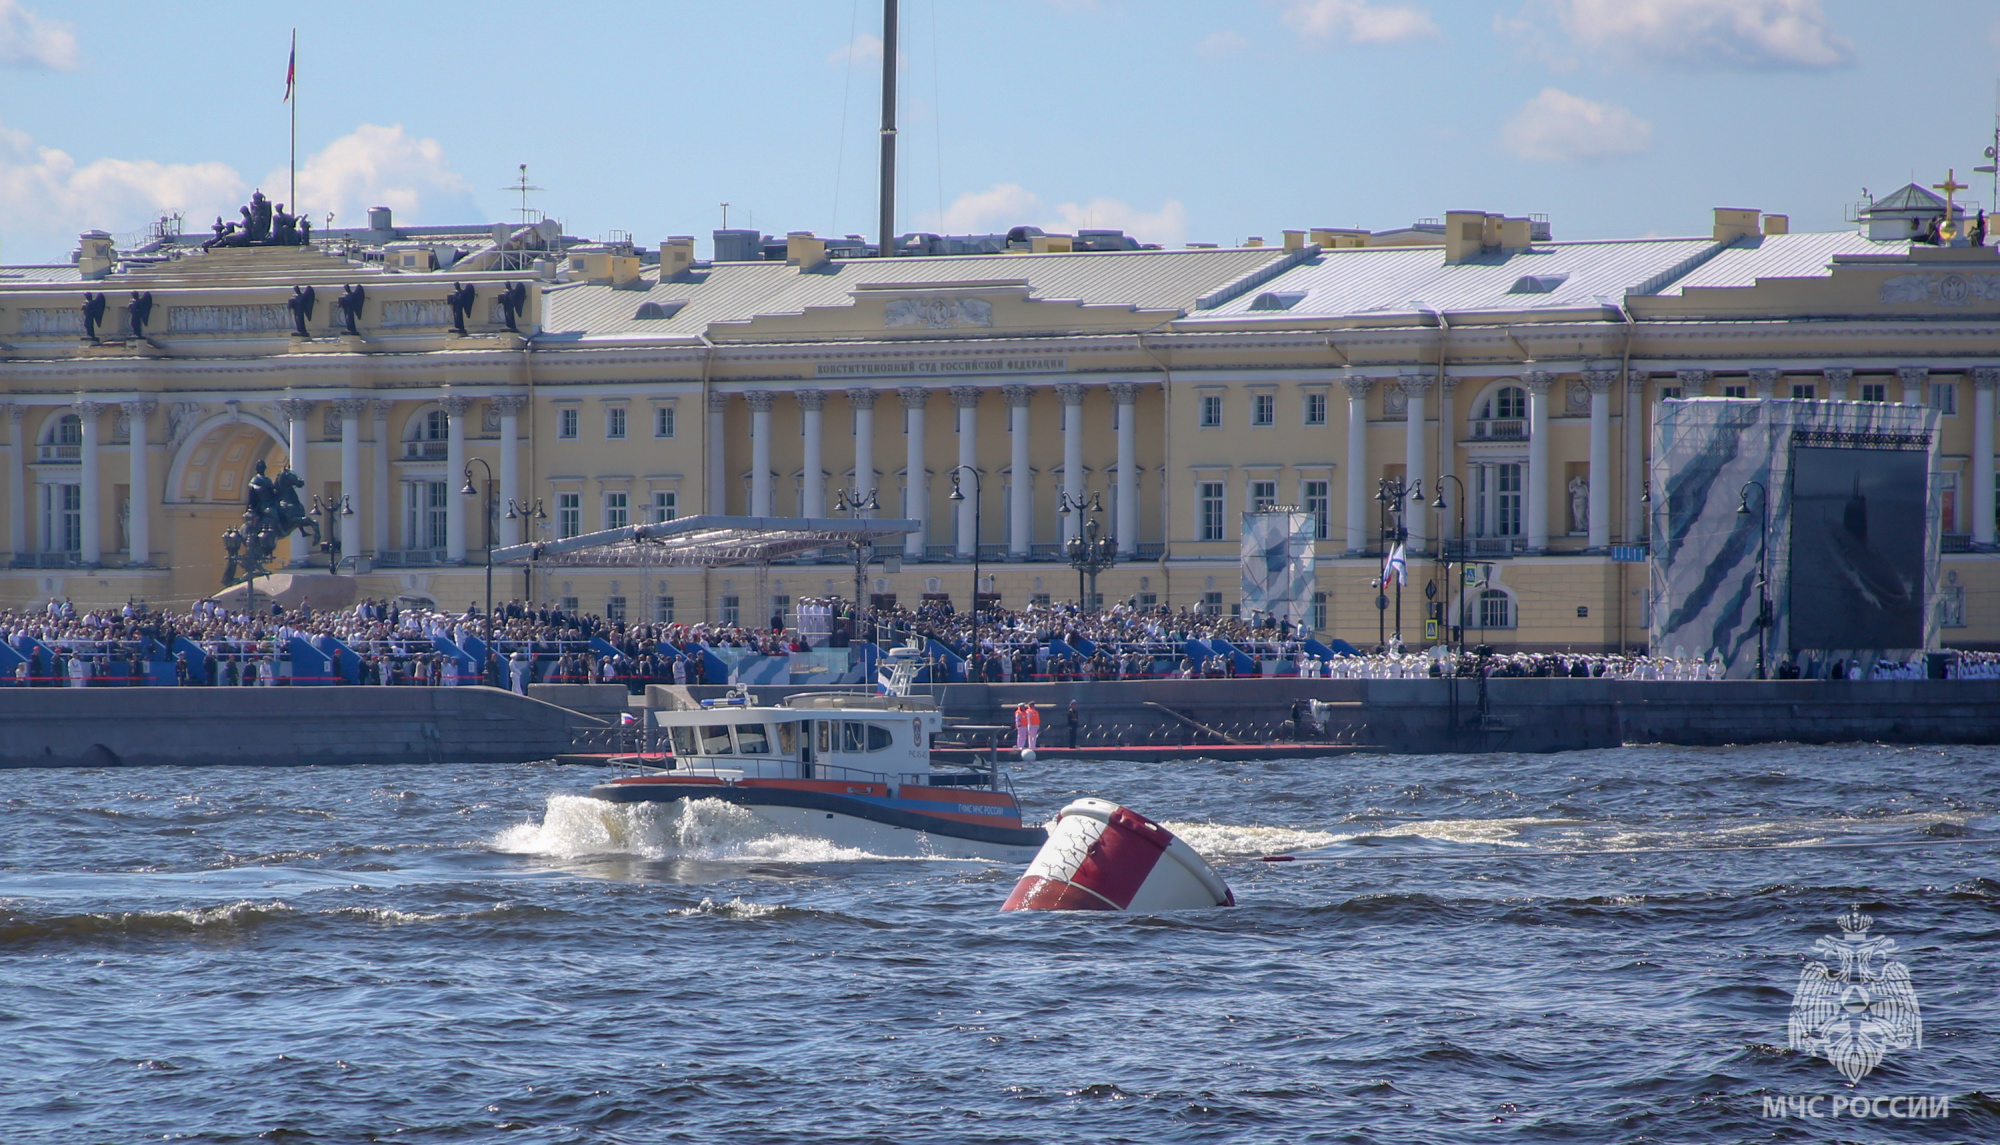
x: 660, y: 310
x: 1277, y: 300
x: 1538, y: 283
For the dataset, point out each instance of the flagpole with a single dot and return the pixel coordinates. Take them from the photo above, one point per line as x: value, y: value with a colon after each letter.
x: 291, y: 89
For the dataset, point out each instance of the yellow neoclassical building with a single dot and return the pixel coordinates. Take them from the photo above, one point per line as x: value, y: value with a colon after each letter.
x: 1474, y: 356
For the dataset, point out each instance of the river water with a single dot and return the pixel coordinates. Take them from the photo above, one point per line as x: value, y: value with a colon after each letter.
x: 1594, y: 946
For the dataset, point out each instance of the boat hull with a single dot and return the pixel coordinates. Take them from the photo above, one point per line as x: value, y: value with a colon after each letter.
x: 947, y: 826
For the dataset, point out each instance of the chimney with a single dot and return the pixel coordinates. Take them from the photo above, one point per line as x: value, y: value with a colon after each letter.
x: 804, y: 251
x: 1050, y: 244
x: 379, y: 219
x: 1732, y: 223
x: 1340, y: 238
x: 1464, y: 235
x: 1295, y: 240
x: 1777, y: 224
x: 94, y: 256
x: 1254, y: 240
x: 676, y: 255
x: 1515, y: 232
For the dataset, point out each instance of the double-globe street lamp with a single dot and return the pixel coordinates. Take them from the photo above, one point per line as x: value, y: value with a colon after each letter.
x: 1453, y: 633
x: 856, y: 504
x: 327, y: 509
x: 1088, y: 553
x: 469, y: 491
x: 1763, y: 574
x: 978, y: 501
x: 1391, y: 493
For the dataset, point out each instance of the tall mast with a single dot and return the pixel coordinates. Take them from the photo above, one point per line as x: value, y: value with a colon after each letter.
x: 888, y: 231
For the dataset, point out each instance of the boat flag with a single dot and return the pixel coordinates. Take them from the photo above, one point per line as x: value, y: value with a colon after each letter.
x: 1396, y: 565
x: 627, y: 719
x: 291, y: 69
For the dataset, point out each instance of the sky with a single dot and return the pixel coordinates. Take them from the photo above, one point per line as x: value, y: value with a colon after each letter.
x: 1176, y: 120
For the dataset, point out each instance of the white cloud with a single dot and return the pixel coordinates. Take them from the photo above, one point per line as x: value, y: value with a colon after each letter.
x: 865, y: 49
x: 1697, y: 34
x: 47, y: 197
x: 1010, y: 204
x: 379, y: 166
x: 28, y: 40
x: 1223, y: 43
x: 1558, y: 125
x: 1357, y: 21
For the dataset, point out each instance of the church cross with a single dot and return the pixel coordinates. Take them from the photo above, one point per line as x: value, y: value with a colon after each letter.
x: 1950, y: 187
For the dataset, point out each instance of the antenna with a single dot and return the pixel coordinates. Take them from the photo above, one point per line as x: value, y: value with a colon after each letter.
x: 888, y: 128
x: 521, y: 185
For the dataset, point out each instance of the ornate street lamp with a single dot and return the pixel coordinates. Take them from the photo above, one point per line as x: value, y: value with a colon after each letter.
x: 1763, y: 574
x: 1088, y: 553
x: 327, y: 508
x: 856, y: 505
x: 978, y: 500
x: 520, y: 510
x: 469, y: 491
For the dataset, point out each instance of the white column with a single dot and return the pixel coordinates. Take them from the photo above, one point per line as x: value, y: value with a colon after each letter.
x: 1072, y: 400
x: 1537, y: 492
x: 297, y: 413
x: 863, y: 404
x: 455, y: 407
x: 350, y: 410
x: 510, y: 406
x: 1357, y: 462
x: 1598, y: 518
x: 967, y: 398
x: 1983, y: 380
x: 378, y: 497
x: 17, y: 481
x: 1019, y: 521
x: 1913, y: 379
x: 1635, y: 453
x: 1447, y: 465
x: 1837, y: 378
x: 93, y: 538
x: 812, y: 489
x: 718, y: 455
x: 1125, y: 395
x: 914, y: 473
x: 139, y: 533
x: 1416, y: 514
x: 760, y: 402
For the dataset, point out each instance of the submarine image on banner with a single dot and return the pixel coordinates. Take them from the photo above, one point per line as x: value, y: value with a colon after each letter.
x: 1857, y: 548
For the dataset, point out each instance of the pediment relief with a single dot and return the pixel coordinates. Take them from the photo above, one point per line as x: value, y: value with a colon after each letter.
x: 931, y: 310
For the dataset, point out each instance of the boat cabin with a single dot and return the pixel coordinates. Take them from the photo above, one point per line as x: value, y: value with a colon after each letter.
x: 882, y: 739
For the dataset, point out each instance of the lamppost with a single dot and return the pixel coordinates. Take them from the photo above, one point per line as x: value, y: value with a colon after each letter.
x: 854, y: 503
x: 1763, y: 575
x: 469, y: 491
x: 1088, y: 553
x: 1391, y: 493
x: 1454, y: 633
x: 519, y: 510
x: 978, y: 501
x: 327, y: 509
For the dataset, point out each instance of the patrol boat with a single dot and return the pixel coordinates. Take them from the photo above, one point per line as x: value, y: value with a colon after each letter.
x: 854, y: 770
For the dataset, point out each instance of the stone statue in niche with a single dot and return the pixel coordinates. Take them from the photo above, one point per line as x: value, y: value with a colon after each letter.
x: 460, y: 300
x: 93, y: 314
x: 1579, y: 504
x: 350, y: 303
x: 301, y: 305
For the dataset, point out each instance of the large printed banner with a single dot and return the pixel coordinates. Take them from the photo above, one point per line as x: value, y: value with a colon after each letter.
x: 1838, y: 496
x: 1278, y: 565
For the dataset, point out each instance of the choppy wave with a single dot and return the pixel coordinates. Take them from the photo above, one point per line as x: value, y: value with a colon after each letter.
x: 1232, y: 840
x: 221, y: 922
x: 577, y: 826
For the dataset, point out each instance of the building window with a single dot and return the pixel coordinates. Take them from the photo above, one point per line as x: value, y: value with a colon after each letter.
x: 569, y: 605
x: 1211, y: 603
x: 1944, y: 398
x: 1671, y: 393
x: 1319, y: 502
x: 732, y: 610
x: 614, y: 423
x: 1040, y: 598
x: 614, y: 608
x: 1874, y: 391
x: 62, y: 518
x: 1211, y: 411
x: 663, y: 421
x: 1319, y: 611
x: 437, y: 425
x: 1263, y: 409
x: 617, y: 510
x: 568, y: 419
x: 666, y: 506
x: 424, y: 522
x: 1506, y: 402
x: 1210, y: 497
x: 569, y: 514
x: 1315, y: 409
x: 1147, y: 600
x: 1263, y: 495
x: 1736, y: 391
x: 663, y: 610
x: 1502, y: 416
x: 1496, y: 500
x: 1804, y: 392
x: 1495, y: 609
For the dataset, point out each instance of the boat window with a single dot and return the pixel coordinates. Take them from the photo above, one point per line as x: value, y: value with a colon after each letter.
x: 788, y: 741
x: 684, y: 742
x: 878, y: 737
x: 715, y: 739
x: 852, y: 736
x: 752, y: 739
x: 825, y: 736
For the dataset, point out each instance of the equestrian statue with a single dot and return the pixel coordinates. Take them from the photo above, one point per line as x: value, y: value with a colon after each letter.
x: 272, y: 511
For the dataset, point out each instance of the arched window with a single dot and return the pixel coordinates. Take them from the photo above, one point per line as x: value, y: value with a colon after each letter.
x: 1507, y: 401
x: 1496, y: 609
x: 1502, y: 415
x: 437, y: 425
x: 426, y: 436
x: 69, y: 430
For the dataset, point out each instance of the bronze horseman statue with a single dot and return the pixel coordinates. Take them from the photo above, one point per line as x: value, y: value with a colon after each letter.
x: 272, y: 511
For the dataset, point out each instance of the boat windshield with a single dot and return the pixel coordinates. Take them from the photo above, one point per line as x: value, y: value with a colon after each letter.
x: 714, y: 739
x: 684, y: 742
x: 787, y: 738
x: 751, y: 739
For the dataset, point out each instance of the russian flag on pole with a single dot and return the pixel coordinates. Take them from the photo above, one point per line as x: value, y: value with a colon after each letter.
x: 291, y: 69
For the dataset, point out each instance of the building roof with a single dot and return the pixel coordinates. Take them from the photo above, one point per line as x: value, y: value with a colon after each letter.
x: 708, y: 541
x: 1808, y: 255
x: 1910, y: 198
x: 734, y: 291
x: 1404, y: 280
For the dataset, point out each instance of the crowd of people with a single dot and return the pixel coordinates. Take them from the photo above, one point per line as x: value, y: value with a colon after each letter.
x: 393, y: 643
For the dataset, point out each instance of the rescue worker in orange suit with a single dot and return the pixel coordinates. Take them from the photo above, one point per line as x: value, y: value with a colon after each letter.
x: 1027, y: 726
